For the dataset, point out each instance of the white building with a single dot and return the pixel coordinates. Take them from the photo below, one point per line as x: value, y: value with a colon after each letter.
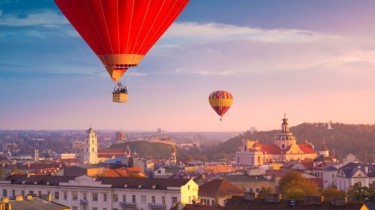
x: 90, y: 152
x: 105, y: 193
x: 353, y: 173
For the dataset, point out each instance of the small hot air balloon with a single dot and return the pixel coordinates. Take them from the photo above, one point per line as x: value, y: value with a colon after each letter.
x: 121, y: 32
x: 220, y: 101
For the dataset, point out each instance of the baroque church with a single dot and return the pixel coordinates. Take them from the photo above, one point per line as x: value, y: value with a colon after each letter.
x: 285, y: 148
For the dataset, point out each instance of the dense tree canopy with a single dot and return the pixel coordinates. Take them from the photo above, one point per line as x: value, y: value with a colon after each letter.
x: 295, y: 186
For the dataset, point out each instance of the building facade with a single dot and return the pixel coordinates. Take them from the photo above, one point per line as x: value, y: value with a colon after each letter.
x: 285, y: 148
x: 105, y: 193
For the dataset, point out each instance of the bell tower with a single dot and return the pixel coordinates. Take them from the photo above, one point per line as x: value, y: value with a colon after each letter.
x: 91, y: 148
x: 285, y: 138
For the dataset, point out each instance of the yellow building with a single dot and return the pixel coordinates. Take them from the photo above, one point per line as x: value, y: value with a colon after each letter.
x: 285, y: 148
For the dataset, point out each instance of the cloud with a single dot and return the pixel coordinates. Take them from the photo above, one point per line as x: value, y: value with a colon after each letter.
x: 37, y: 18
x: 224, y: 32
x: 227, y: 50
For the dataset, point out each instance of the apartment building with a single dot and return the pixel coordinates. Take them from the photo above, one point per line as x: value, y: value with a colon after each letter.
x: 104, y: 193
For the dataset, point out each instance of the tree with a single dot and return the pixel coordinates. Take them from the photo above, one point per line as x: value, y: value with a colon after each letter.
x: 295, y: 186
x: 361, y: 194
x: 333, y: 192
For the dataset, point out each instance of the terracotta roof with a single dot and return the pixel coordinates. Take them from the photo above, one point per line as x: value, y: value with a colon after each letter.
x: 115, y: 172
x: 270, y: 149
x: 219, y: 187
x: 306, y: 148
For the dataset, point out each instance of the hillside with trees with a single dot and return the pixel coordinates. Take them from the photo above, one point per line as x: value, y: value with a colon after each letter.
x: 341, y: 140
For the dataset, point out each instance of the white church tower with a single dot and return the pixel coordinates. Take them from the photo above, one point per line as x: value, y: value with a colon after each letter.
x: 90, y: 155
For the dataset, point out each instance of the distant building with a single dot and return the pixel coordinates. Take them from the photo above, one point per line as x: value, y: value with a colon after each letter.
x: 173, y: 155
x: 355, y: 173
x: 285, y: 148
x: 120, y: 136
x: 215, y: 192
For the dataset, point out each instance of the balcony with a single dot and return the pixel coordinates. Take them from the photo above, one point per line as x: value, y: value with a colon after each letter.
x: 128, y: 204
x: 157, y: 206
x: 83, y: 202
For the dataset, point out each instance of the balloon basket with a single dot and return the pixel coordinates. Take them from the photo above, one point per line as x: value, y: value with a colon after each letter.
x: 120, y: 97
x: 120, y: 94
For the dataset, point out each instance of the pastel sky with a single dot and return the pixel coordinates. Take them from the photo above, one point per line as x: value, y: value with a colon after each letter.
x: 313, y: 60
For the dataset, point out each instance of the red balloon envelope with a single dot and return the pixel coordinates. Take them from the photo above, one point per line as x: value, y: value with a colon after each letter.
x: 121, y: 32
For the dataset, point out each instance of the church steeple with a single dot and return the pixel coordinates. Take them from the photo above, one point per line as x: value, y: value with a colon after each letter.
x: 284, y: 125
x: 285, y: 138
x: 91, y: 148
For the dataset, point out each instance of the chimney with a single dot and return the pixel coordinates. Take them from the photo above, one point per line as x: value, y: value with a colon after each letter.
x: 339, y: 201
x: 272, y: 198
x: 249, y: 196
x: 19, y: 198
x: 5, y: 200
x: 366, y: 170
x: 29, y: 197
x: 313, y: 200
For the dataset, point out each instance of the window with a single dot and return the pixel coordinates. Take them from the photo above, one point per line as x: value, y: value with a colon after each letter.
x: 74, y: 196
x: 31, y: 192
x: 143, y: 199
x: 84, y: 196
x: 74, y: 208
x: 65, y: 195
x: 23, y: 192
x: 13, y: 193
x: 56, y: 195
x: 124, y: 198
x: 133, y: 199
x: 94, y: 208
x: 163, y: 199
x: 174, y: 199
x: 159, y: 171
x: 212, y: 202
x: 115, y: 198
x: 5, y: 192
x: 105, y: 197
x: 257, y: 190
x: 188, y: 187
x: 333, y: 175
x: 94, y: 196
x: 153, y: 199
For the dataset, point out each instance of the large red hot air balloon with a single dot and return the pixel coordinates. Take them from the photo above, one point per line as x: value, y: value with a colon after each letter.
x: 121, y: 32
x: 220, y: 101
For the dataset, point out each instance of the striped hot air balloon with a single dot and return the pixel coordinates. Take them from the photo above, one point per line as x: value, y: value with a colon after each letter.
x: 220, y: 101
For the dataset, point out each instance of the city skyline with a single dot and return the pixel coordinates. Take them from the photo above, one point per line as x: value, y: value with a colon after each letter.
x: 313, y: 60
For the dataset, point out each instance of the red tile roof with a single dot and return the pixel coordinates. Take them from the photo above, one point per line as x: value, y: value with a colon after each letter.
x: 270, y: 148
x: 306, y: 148
x: 219, y: 187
